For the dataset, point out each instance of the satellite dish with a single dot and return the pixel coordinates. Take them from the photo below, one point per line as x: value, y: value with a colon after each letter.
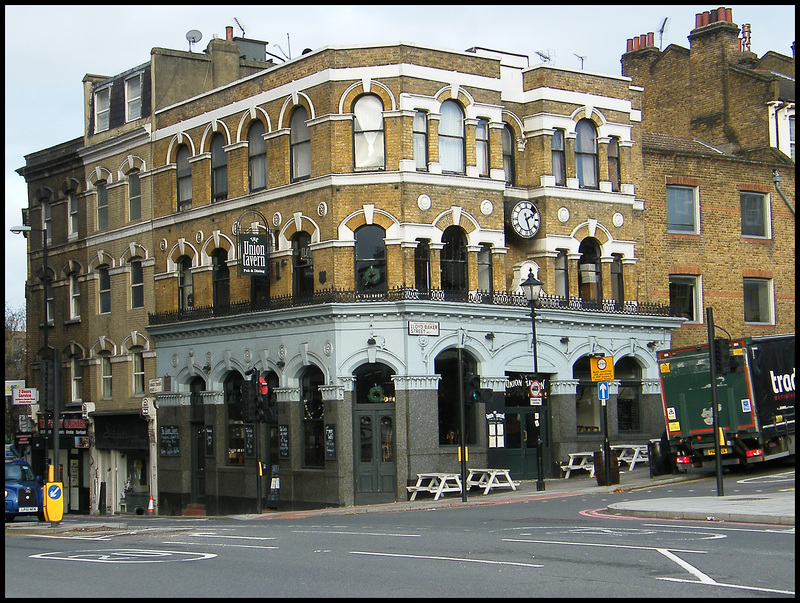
x: 193, y: 36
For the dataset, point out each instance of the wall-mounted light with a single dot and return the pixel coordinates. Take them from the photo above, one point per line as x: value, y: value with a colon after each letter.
x: 207, y: 369
x: 371, y: 341
x: 280, y: 364
x: 652, y: 345
x: 489, y: 336
x: 564, y: 340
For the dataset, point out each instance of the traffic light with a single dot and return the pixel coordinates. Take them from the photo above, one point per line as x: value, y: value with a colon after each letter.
x: 264, y: 409
x: 722, y: 356
x: 248, y: 399
x: 473, y: 393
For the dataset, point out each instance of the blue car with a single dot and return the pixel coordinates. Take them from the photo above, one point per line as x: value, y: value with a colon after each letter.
x: 24, y: 494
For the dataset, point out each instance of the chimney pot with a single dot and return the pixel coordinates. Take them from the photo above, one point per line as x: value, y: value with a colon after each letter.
x: 729, y: 15
x: 629, y: 46
x: 643, y: 41
x: 698, y: 20
x: 229, y: 32
x: 706, y: 17
x: 651, y: 39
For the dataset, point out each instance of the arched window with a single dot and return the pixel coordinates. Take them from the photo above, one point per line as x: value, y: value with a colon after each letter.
x: 74, y: 296
x: 219, y: 169
x: 76, y: 379
x: 374, y: 384
x: 302, y: 265
x: 422, y: 266
x: 587, y: 404
x: 586, y: 154
x: 220, y: 279
x: 134, y: 196
x: 236, y: 430
x: 137, y: 283
x: 370, y: 258
x: 451, y: 137
x: 446, y: 365
x: 257, y: 157
x: 185, y: 290
x: 102, y: 205
x: 104, y: 289
x: 508, y: 155
x: 137, y: 353
x: 368, y: 146
x: 106, y: 386
x: 300, y: 145
x: 590, y: 283
x: 629, y: 373
x: 184, y: 173
x: 454, y: 260
x: 313, y: 417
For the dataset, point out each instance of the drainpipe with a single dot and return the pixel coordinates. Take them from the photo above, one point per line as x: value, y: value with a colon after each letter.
x: 776, y: 178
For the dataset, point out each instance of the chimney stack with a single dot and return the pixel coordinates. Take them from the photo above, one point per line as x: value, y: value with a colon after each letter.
x: 229, y: 32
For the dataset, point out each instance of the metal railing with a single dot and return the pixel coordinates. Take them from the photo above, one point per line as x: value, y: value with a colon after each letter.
x: 339, y: 296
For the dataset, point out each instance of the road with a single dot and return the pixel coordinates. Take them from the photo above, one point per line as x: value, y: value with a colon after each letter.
x: 553, y: 546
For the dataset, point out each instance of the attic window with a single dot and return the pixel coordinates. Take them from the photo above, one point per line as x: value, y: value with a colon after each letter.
x: 101, y: 109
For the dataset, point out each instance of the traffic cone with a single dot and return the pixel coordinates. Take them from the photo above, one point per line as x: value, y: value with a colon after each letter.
x: 150, y: 509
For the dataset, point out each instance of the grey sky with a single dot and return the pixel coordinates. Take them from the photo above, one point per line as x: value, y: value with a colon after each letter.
x: 50, y: 48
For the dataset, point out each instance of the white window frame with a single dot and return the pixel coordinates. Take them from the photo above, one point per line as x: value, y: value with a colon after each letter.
x: 133, y: 100
x: 137, y: 373
x: 766, y: 205
x: 106, y: 377
x: 102, y: 293
x: 134, y: 199
x: 47, y: 220
x: 695, y: 208
x: 102, y: 109
x: 74, y: 297
x: 76, y: 378
x: 697, y: 283
x: 72, y: 209
x: 137, y: 287
x: 767, y: 296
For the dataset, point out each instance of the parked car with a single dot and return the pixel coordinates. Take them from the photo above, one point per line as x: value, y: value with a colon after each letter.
x: 24, y: 495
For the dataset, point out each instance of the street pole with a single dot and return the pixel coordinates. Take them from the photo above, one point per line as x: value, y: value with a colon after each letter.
x: 533, y: 287
x: 462, y: 444
x: 49, y: 360
x: 714, y: 410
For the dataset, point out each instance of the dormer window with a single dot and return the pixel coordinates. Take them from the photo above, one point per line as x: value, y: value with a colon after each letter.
x: 133, y: 97
x: 102, y: 103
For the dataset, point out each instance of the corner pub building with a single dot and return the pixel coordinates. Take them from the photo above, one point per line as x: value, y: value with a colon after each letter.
x: 386, y: 182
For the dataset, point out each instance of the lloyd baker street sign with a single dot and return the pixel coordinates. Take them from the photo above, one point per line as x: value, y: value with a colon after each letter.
x: 253, y: 253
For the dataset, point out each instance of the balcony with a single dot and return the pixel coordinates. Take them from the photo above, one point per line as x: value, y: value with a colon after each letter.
x: 335, y: 296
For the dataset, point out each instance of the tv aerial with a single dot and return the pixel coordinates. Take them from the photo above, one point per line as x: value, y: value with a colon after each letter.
x: 661, y: 33
x: 544, y: 55
x: 582, y: 58
x: 194, y: 37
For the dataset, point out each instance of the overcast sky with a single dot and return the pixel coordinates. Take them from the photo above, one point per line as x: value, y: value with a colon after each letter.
x: 49, y: 49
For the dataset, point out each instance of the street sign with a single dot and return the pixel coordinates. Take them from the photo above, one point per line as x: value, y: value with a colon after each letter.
x: 602, y: 390
x: 25, y: 395
x: 602, y: 369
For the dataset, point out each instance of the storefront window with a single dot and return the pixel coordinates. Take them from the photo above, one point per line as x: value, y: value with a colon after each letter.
x: 313, y: 417
x: 446, y: 365
x: 587, y: 403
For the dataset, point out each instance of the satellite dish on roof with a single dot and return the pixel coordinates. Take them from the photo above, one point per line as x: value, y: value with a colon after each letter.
x: 193, y: 36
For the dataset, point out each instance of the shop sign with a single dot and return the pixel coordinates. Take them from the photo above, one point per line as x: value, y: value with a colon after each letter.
x: 253, y: 253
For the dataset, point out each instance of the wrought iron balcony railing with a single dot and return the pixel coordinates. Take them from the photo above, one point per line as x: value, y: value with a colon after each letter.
x: 336, y: 296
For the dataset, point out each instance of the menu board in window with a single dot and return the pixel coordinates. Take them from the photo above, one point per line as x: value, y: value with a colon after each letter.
x: 209, y: 440
x: 169, y: 441
x: 249, y: 441
x: 283, y: 441
x: 330, y: 443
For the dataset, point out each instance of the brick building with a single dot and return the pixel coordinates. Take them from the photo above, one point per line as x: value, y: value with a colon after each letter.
x: 402, y: 194
x: 719, y: 157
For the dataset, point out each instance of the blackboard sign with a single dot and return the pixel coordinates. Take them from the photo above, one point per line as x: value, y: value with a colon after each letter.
x: 283, y: 441
x: 249, y: 441
x: 330, y: 443
x: 170, y: 444
x: 209, y: 440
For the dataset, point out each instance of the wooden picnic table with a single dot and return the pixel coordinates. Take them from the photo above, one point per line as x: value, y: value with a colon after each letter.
x: 490, y: 478
x: 632, y: 454
x: 435, y: 483
x: 579, y: 460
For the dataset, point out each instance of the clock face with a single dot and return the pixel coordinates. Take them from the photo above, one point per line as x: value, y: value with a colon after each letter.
x: 525, y: 219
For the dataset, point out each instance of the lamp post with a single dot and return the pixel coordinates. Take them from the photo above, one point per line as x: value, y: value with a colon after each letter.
x: 533, y: 288
x: 24, y: 230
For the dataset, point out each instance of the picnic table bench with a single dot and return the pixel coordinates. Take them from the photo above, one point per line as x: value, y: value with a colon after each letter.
x: 632, y: 454
x: 435, y: 483
x: 579, y: 460
x: 490, y: 478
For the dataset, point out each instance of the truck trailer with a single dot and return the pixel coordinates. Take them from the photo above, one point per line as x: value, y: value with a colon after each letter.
x: 755, y: 402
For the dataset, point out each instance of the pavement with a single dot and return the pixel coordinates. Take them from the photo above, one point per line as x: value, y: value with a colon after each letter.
x: 776, y: 508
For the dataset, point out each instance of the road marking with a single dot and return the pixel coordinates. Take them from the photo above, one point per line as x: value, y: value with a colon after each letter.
x: 125, y: 556
x: 611, y: 546
x: 202, y: 535
x: 356, y: 533
x: 238, y: 546
x: 438, y: 558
